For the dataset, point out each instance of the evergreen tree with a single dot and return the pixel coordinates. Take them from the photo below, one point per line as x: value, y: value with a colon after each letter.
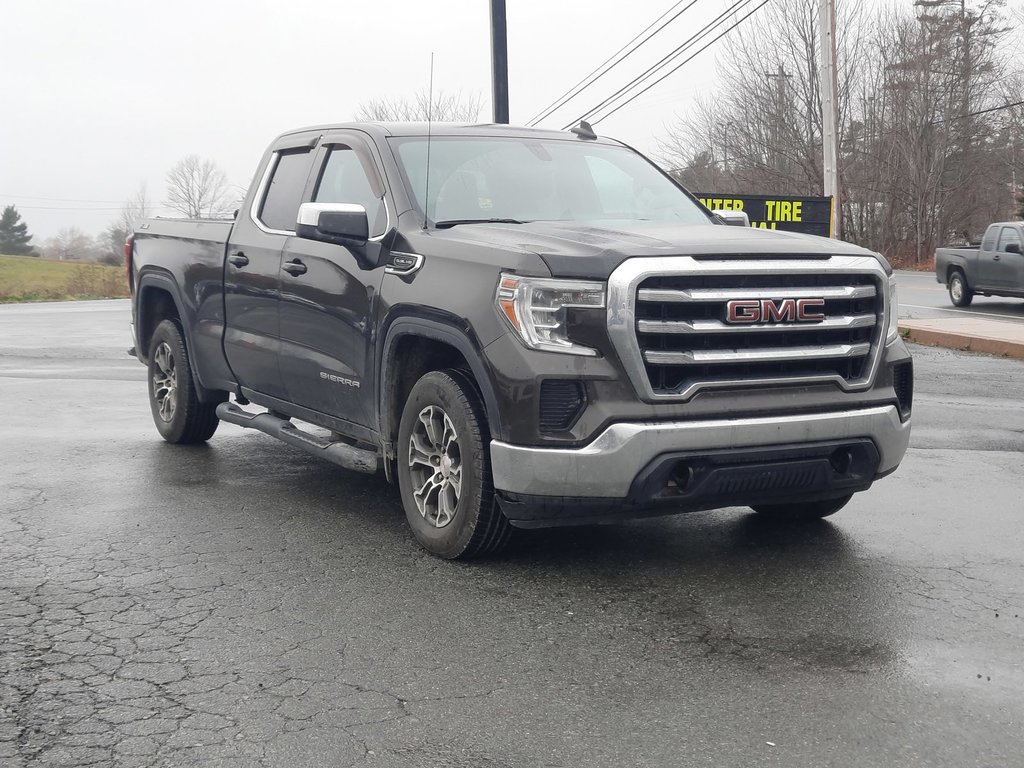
x: 14, y: 236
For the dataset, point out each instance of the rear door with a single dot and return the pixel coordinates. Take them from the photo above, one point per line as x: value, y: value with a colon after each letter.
x: 327, y: 310
x: 252, y: 273
x: 986, y: 272
x: 1008, y: 267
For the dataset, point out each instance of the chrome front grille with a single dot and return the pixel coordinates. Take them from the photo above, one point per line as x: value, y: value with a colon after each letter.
x: 669, y: 321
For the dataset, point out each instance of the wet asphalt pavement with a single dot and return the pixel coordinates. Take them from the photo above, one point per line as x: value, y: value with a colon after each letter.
x: 242, y: 604
x: 922, y: 297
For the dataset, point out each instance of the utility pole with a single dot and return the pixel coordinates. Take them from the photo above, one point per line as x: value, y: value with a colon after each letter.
x: 499, y: 61
x: 780, y: 114
x: 830, y: 109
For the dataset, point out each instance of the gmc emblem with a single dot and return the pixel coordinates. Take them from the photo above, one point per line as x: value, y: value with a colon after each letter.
x: 750, y: 311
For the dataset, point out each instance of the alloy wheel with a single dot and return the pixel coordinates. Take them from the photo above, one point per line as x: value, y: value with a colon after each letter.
x: 435, y: 465
x: 165, y: 382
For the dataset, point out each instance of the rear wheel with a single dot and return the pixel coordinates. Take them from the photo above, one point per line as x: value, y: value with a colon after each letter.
x: 959, y: 293
x: 805, y: 510
x: 177, y: 412
x: 444, y: 469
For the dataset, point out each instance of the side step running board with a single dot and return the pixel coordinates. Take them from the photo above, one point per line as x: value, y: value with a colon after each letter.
x: 340, y: 453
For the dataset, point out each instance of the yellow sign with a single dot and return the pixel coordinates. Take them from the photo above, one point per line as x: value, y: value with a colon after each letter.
x: 794, y: 214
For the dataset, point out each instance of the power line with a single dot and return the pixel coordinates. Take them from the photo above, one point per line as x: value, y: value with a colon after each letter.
x: 707, y: 29
x: 597, y: 73
x: 58, y: 208
x: 980, y: 112
x: 60, y: 199
x: 683, y: 63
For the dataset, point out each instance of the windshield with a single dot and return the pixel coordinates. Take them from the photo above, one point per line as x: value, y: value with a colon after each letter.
x: 523, y: 179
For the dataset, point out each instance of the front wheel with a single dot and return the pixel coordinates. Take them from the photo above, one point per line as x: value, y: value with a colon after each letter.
x: 802, y: 511
x: 959, y: 293
x: 444, y: 471
x: 177, y: 412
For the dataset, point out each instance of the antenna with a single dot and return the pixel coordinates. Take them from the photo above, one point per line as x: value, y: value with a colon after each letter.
x: 583, y: 130
x: 430, y: 115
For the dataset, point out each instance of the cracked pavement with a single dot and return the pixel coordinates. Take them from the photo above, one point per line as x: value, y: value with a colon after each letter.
x: 242, y: 604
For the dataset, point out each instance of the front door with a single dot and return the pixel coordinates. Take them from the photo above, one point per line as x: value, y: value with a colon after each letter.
x: 328, y: 300
x: 1008, y: 267
x: 252, y: 272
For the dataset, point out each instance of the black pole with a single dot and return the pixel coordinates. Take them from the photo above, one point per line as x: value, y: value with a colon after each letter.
x: 499, y: 61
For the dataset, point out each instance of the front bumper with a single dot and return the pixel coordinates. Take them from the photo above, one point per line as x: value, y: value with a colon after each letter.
x: 606, y: 468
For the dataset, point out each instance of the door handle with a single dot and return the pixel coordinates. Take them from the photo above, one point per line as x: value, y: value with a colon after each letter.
x: 238, y: 259
x: 294, y: 268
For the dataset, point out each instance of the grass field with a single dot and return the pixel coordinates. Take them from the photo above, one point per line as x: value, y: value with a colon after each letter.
x: 25, y: 278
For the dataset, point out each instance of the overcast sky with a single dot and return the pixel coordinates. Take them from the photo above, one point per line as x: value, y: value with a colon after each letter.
x: 99, y: 96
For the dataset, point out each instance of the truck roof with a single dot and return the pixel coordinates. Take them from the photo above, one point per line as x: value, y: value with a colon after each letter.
x: 386, y: 129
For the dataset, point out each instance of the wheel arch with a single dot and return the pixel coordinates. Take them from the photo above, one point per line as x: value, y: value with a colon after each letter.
x: 423, y: 345
x: 159, y: 299
x: 954, y: 267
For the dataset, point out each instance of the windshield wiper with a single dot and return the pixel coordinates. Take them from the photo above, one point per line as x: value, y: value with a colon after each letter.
x: 455, y: 222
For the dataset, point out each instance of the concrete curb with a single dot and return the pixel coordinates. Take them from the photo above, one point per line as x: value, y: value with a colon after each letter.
x: 958, y: 339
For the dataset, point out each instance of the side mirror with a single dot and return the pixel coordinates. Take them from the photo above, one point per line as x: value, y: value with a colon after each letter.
x: 1013, y: 247
x: 733, y: 218
x: 338, y: 223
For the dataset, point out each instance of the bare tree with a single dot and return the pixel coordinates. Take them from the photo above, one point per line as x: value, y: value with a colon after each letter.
x: 446, y: 108
x: 110, y: 244
x: 928, y: 134
x: 135, y: 209
x: 198, y: 189
x: 764, y: 127
x: 70, y: 244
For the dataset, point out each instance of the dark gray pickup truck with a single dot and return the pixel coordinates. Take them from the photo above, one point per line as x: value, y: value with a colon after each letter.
x: 522, y: 328
x: 995, y: 268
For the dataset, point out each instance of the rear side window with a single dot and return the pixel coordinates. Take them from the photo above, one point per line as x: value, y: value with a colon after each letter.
x: 1007, y: 236
x: 281, y: 201
x: 989, y: 241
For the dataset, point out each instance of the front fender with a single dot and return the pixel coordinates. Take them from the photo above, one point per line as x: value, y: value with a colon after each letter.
x: 448, y: 333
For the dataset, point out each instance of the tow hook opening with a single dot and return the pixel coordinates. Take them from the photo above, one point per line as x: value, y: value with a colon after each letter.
x: 841, y: 460
x: 682, y: 475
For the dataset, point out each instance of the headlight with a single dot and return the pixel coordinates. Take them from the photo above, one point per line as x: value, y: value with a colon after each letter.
x: 894, y: 313
x: 536, y: 309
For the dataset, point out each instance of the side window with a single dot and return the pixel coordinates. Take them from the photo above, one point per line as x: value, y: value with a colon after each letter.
x: 281, y: 200
x: 988, y: 242
x: 1007, y: 236
x: 345, y: 181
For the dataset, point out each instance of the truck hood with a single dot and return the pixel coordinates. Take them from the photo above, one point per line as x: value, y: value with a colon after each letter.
x: 585, y: 250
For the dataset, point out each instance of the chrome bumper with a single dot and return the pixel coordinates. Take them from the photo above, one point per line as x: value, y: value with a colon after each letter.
x: 606, y: 467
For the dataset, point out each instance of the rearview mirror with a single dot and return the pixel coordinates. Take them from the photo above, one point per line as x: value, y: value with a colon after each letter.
x: 732, y: 218
x: 339, y: 223
x: 1013, y: 247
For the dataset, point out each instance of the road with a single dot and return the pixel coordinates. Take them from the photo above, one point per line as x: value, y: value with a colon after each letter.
x: 922, y: 297
x: 243, y: 604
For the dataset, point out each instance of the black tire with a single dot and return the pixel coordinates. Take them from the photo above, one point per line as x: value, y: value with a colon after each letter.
x: 457, y: 516
x: 959, y: 292
x: 177, y: 412
x: 802, y: 511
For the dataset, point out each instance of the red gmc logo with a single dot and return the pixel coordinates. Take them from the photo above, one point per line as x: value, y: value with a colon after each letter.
x: 750, y: 311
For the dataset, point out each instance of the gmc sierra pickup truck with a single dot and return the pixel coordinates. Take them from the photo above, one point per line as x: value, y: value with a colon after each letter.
x: 995, y: 268
x: 522, y: 328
